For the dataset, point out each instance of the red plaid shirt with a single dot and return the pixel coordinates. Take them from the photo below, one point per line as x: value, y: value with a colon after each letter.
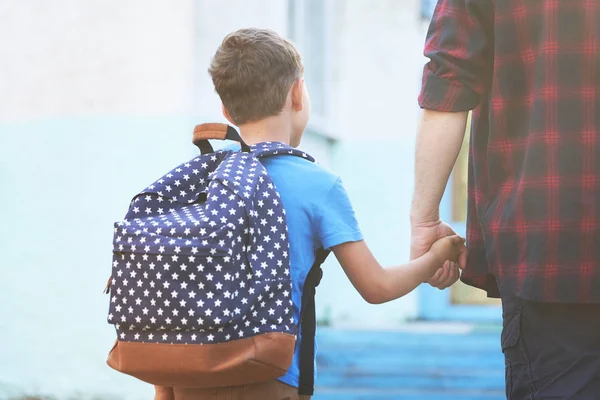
x: 530, y: 70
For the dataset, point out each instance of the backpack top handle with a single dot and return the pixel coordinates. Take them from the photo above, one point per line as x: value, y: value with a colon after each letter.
x: 204, y: 132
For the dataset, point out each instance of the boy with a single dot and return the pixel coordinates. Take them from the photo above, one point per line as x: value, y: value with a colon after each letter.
x: 258, y: 76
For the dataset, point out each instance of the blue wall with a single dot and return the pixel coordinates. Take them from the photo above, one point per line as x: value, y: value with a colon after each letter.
x: 63, y: 184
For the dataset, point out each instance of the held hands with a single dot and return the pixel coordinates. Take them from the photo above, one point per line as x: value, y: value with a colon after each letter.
x: 448, y: 248
x: 423, y: 236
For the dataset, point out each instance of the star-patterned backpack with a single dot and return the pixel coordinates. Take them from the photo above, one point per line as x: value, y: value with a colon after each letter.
x: 200, y: 291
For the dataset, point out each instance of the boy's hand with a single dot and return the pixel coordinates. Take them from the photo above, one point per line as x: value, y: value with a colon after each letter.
x: 423, y: 235
x: 448, y: 248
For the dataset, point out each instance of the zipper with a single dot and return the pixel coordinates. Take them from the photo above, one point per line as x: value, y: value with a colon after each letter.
x: 108, y: 283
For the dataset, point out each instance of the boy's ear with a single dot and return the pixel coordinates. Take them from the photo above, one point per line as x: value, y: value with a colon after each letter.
x: 298, y: 95
x: 226, y: 114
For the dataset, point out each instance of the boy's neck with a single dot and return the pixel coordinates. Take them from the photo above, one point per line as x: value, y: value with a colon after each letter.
x: 271, y: 129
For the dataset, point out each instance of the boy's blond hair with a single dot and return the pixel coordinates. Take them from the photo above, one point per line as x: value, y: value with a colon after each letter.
x: 253, y: 71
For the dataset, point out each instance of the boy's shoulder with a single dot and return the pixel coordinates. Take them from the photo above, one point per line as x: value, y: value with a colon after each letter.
x: 297, y: 171
x: 301, y: 174
x: 299, y: 165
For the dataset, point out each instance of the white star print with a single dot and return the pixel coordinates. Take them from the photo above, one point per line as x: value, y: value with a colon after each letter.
x: 168, y: 225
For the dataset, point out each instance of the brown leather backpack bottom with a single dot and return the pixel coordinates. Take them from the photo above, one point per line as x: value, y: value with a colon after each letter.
x: 239, y: 362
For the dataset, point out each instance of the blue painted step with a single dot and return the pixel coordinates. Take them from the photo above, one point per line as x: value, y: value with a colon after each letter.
x: 350, y: 338
x: 346, y: 395
x: 402, y: 365
x: 406, y: 359
x: 425, y: 380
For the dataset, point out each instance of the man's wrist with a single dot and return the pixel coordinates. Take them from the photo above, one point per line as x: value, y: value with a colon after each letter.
x: 423, y: 218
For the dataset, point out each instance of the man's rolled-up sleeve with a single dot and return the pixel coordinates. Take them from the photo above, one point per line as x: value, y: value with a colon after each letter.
x: 459, y: 48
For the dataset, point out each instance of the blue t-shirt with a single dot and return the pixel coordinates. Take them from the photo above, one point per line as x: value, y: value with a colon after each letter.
x: 319, y: 215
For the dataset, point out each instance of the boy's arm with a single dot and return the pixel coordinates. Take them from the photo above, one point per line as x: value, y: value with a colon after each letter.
x: 337, y: 229
x: 379, y: 285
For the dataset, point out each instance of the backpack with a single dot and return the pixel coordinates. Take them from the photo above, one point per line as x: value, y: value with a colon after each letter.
x: 200, y: 291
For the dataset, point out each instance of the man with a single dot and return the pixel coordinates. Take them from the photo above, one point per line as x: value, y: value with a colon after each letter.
x: 530, y: 70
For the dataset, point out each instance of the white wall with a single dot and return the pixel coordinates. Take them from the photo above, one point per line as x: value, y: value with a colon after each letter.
x: 68, y: 57
x: 379, y: 64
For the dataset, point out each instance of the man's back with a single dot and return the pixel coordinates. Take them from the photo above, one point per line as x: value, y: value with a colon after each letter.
x: 531, y: 70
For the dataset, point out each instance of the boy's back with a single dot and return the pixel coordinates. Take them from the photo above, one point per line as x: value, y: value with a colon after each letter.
x: 319, y: 215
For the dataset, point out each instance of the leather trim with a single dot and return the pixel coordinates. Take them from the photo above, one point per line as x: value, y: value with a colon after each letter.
x: 239, y: 362
x: 210, y: 131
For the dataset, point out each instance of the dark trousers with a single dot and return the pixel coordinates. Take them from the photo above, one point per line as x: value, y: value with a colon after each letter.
x: 551, y: 350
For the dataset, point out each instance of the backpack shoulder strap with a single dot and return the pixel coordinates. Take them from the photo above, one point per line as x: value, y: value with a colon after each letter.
x: 308, y: 319
x: 308, y: 325
x: 270, y: 149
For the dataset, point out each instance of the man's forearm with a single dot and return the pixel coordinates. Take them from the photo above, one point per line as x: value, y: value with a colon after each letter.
x: 439, y: 141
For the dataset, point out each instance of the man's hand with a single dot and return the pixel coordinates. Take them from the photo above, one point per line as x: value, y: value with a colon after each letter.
x: 423, y: 235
